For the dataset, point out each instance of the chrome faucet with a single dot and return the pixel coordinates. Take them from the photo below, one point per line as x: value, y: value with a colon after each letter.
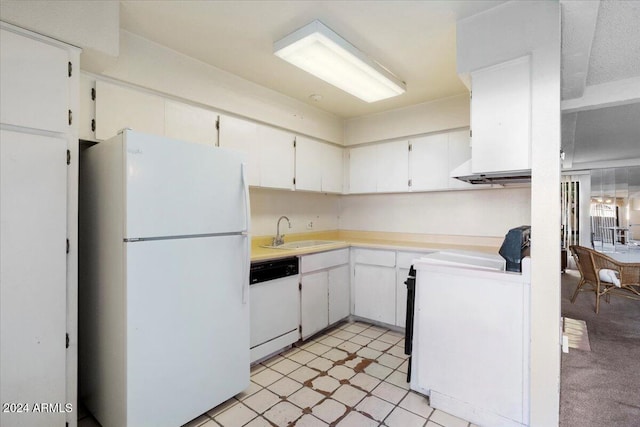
x: 279, y: 239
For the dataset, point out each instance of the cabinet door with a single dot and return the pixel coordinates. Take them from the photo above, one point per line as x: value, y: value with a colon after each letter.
x: 428, y: 162
x: 189, y: 123
x: 362, y: 169
x: 33, y: 290
x: 314, y: 303
x: 401, y: 297
x: 118, y: 107
x: 309, y: 164
x: 87, y: 108
x: 339, y: 291
x: 392, y: 166
x: 241, y: 135
x: 276, y: 157
x: 332, y: 168
x: 501, y: 117
x: 34, y: 83
x: 375, y: 293
x: 459, y: 152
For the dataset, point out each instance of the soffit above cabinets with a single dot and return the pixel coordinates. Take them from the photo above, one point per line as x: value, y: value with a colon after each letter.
x: 416, y: 40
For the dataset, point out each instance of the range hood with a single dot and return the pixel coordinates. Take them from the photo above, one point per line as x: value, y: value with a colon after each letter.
x: 463, y: 173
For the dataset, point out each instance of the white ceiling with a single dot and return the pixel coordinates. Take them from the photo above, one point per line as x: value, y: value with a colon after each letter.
x: 416, y: 40
x: 601, y: 53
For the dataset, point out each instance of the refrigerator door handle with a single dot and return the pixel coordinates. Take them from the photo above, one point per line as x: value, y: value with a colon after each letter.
x: 247, y: 263
x: 247, y: 203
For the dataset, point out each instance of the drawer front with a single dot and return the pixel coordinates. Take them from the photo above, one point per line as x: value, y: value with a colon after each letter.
x: 374, y: 257
x: 323, y: 260
x: 405, y: 259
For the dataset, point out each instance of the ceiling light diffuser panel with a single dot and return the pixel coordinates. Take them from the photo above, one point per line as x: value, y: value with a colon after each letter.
x: 318, y: 50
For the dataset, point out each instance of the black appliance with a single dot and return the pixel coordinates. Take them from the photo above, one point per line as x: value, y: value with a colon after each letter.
x: 275, y: 269
x: 515, y: 247
x: 408, y: 324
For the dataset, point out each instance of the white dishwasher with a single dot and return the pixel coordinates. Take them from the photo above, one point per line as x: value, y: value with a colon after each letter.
x: 275, y: 306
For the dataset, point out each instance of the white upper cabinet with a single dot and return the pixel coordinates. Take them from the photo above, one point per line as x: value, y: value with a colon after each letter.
x: 393, y: 166
x: 269, y: 151
x: 459, y: 145
x: 189, y: 123
x: 37, y: 75
x: 308, y: 164
x: 86, y: 124
x: 276, y: 157
x: 362, y: 169
x: 501, y: 117
x: 119, y: 107
x: 428, y: 167
x: 332, y: 158
x: 241, y: 135
x: 379, y: 168
x: 319, y: 166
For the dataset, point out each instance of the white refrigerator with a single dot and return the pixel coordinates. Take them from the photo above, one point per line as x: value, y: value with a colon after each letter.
x: 164, y: 311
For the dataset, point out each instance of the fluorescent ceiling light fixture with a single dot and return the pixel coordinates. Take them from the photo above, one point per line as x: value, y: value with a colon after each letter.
x: 319, y: 51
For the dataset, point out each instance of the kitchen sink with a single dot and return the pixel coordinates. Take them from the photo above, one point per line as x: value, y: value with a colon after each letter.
x: 302, y: 244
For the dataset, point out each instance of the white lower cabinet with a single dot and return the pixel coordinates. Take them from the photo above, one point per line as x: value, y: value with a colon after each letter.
x: 324, y: 290
x: 404, y: 262
x: 314, y: 303
x: 374, y: 287
x: 339, y: 291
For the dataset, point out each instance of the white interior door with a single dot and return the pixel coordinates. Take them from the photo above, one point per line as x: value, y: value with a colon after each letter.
x: 176, y: 188
x: 33, y: 226
x: 187, y: 327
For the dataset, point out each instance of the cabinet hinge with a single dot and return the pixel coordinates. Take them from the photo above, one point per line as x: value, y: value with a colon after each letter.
x: 470, y: 94
x: 300, y: 329
x: 93, y: 125
x: 70, y: 117
x: 70, y: 68
x: 68, y: 245
x: 470, y: 133
x: 300, y: 286
x: 410, y: 146
x: 93, y: 93
x: 68, y: 157
x: 294, y: 143
x: 67, y: 340
x: 409, y: 183
x: 294, y: 180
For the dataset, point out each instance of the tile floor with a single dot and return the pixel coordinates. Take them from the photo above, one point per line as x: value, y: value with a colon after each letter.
x: 353, y: 375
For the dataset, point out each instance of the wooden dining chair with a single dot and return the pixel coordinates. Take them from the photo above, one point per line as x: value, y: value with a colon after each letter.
x: 605, y: 276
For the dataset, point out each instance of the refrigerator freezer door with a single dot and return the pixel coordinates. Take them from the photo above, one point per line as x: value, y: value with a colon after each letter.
x: 176, y: 188
x: 187, y: 329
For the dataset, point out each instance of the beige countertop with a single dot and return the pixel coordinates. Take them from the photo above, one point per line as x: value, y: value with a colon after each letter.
x: 374, y: 240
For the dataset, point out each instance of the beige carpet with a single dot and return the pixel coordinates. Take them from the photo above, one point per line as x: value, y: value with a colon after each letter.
x: 601, y: 387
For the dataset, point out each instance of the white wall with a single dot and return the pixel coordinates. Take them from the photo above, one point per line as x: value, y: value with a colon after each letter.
x: 300, y: 207
x: 487, y: 212
x: 443, y: 114
x: 90, y: 25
